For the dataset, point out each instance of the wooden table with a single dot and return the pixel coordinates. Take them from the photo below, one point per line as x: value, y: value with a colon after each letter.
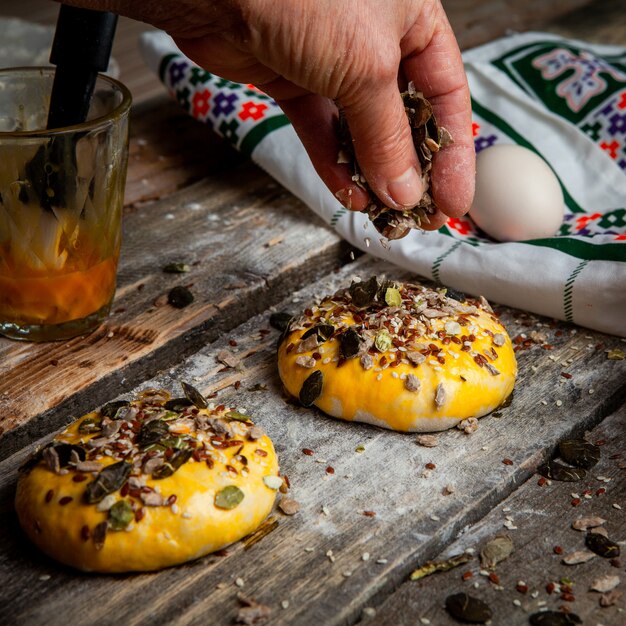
x: 253, y: 249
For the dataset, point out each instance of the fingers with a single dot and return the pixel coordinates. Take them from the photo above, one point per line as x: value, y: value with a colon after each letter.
x: 314, y: 119
x: 437, y: 70
x: 383, y: 144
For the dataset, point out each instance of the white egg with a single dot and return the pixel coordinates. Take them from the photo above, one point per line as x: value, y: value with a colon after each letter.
x: 518, y: 196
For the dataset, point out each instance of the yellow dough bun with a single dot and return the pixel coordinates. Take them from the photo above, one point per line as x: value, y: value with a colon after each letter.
x: 400, y: 356
x: 144, y: 485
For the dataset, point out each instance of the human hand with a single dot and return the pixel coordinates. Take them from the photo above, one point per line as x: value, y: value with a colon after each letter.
x: 311, y: 54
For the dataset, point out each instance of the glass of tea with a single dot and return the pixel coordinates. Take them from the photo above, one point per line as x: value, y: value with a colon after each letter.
x: 61, y: 198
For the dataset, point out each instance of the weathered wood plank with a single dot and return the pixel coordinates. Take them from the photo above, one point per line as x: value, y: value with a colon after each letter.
x: 291, y: 564
x: 247, y: 245
x: 543, y: 516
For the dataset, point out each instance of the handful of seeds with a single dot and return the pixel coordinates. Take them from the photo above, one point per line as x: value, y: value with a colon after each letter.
x: 428, y: 139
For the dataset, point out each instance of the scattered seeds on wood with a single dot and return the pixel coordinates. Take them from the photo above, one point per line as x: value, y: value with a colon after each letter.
x: 252, y: 612
x: 558, y: 471
x: 176, y: 268
x: 580, y: 556
x: 180, y: 297
x: 428, y: 441
x: 579, y: 453
x: 585, y: 523
x: 431, y: 567
x: 288, y: 506
x: 605, y: 583
x: 554, y: 618
x: 228, y: 358
x: 609, y: 599
x: 615, y: 354
x: 468, y: 609
x: 496, y: 550
x: 602, y: 545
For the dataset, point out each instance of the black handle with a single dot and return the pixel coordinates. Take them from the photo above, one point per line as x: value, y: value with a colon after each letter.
x: 82, y: 47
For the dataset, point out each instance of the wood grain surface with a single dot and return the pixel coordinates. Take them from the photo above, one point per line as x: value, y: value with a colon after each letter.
x: 543, y: 516
x: 414, y: 520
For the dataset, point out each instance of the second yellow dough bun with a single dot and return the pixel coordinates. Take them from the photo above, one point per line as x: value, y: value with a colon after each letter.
x: 142, y: 485
x: 400, y: 356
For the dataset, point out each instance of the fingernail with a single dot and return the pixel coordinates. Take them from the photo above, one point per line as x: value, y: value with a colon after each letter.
x: 406, y: 190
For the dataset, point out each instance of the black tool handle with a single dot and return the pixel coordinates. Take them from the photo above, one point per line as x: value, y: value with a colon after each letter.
x: 82, y: 47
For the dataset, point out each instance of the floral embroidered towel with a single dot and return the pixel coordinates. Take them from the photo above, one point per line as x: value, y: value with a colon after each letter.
x: 564, y: 99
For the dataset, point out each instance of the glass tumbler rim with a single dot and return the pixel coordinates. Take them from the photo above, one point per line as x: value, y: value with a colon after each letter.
x: 116, y: 113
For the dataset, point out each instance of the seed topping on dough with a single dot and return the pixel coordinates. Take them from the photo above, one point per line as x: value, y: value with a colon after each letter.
x: 125, y: 445
x: 388, y: 324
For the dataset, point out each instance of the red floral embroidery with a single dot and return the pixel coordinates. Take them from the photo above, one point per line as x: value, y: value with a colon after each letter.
x: 475, y: 129
x: 621, y: 104
x: 611, y: 148
x: 463, y: 227
x: 620, y: 237
x: 252, y: 110
x: 200, y: 103
x: 581, y: 222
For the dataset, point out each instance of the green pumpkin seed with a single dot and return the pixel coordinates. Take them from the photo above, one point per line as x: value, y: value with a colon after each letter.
x: 110, y: 409
x: 121, y: 514
x: 557, y: 471
x: 602, y: 545
x: 311, y: 388
x: 237, y: 416
x: 110, y: 479
x: 554, y: 618
x: 383, y: 340
x: 177, y: 460
x: 180, y: 297
x: 466, y: 608
x: 194, y: 396
x: 176, y: 268
x: 229, y: 497
x: 579, y: 452
x: 350, y: 343
x: 393, y: 297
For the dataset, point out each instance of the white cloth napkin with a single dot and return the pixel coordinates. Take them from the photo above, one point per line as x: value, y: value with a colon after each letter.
x: 564, y: 99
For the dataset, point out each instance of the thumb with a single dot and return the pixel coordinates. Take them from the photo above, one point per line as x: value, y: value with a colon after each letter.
x: 383, y: 144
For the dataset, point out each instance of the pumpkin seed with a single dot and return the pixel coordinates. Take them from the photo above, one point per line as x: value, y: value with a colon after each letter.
x: 579, y: 453
x: 194, y: 395
x: 110, y: 479
x: 496, y: 550
x: 557, y: 471
x: 176, y: 268
x: 64, y: 452
x: 350, y: 343
x: 280, y: 320
x: 237, y: 416
x: 178, y: 404
x: 229, y: 497
x: 90, y: 425
x: 393, y: 297
x: 364, y: 294
x: 431, y: 567
x: 602, y: 545
x: 177, y: 460
x: 180, y: 297
x: 383, y: 340
x: 466, y: 608
x: 323, y: 331
x: 121, y: 514
x: 311, y: 388
x: 554, y: 618
x: 152, y: 433
x: 110, y: 409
